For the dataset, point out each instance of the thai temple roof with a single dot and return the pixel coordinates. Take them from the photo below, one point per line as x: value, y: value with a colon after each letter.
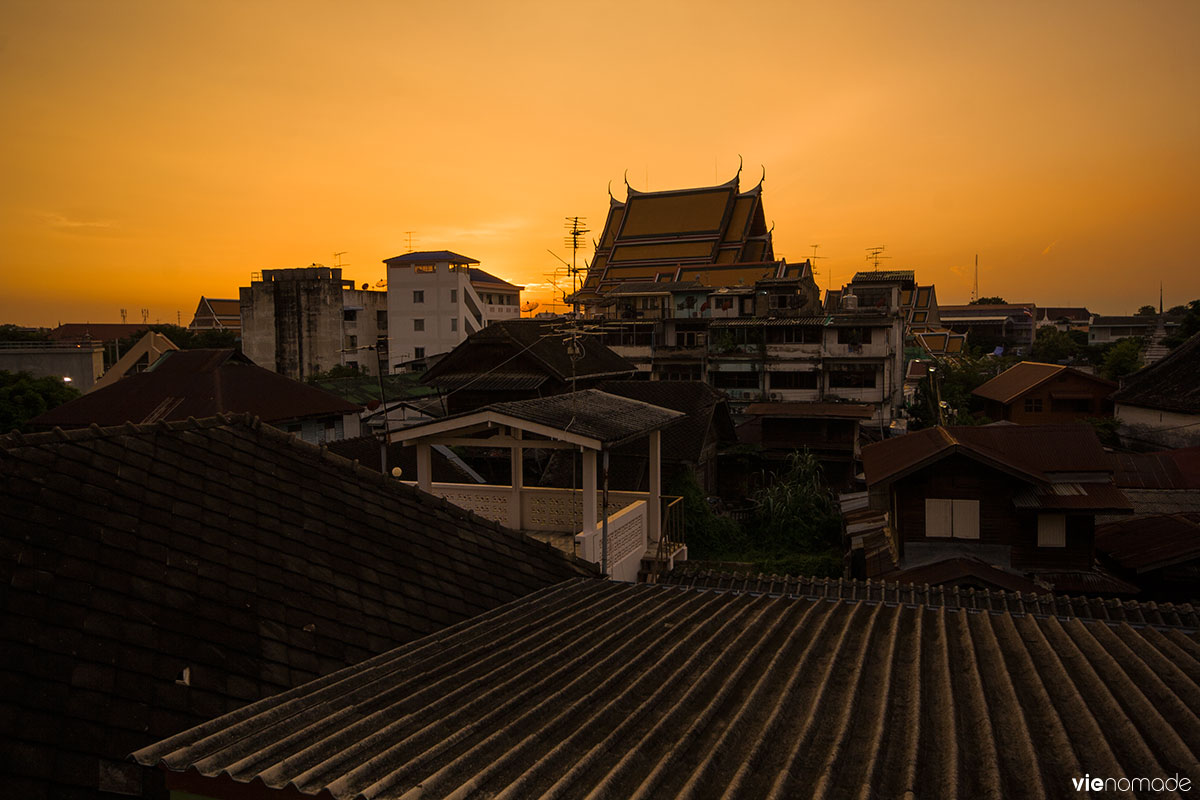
x: 716, y: 235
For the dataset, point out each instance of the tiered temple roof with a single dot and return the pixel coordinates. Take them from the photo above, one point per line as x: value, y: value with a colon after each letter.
x: 716, y: 235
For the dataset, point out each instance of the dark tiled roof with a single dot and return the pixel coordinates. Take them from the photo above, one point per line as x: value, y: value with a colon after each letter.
x: 1073, y: 313
x: 480, y: 276
x: 933, y: 595
x: 621, y: 690
x: 492, y: 381
x: 248, y: 558
x: 1096, y: 581
x: 702, y: 405
x: 429, y: 257
x: 1153, y: 542
x: 592, y: 413
x: 1147, y: 320
x: 198, y: 383
x: 100, y: 331
x: 885, y: 276
x: 811, y: 410
x: 651, y: 287
x: 1034, y: 450
x: 1172, y: 383
x: 527, y: 342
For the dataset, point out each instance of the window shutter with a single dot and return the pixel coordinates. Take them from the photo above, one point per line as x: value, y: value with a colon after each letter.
x: 966, y: 519
x: 938, y: 517
x: 1052, y: 530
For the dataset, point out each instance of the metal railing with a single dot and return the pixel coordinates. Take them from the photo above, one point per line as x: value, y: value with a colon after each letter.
x: 672, y: 536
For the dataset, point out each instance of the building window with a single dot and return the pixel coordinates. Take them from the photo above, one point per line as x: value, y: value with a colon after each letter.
x: 852, y: 377
x: 381, y: 320
x: 1052, y: 530
x: 454, y: 324
x: 794, y: 380
x: 1033, y: 405
x: 418, y: 352
x: 418, y: 295
x: 454, y: 295
x: 351, y: 342
x: 350, y: 315
x: 735, y: 380
x: 425, y: 268
x: 951, y: 519
x: 418, y: 324
x: 352, y: 365
x: 857, y: 336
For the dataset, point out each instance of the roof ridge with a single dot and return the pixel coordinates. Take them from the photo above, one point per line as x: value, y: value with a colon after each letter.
x: 17, y: 439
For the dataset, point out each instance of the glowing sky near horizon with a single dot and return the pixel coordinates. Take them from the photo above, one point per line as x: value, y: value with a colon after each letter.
x: 153, y: 152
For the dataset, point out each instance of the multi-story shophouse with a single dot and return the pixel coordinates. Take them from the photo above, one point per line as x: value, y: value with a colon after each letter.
x: 686, y: 285
x: 436, y: 299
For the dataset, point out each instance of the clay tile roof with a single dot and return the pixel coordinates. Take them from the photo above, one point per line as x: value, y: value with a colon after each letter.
x: 596, y: 689
x: 884, y: 276
x: 198, y: 383
x: 156, y: 576
x: 1171, y: 383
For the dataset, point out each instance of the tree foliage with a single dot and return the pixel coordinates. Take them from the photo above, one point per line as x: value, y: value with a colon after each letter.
x: 15, y: 333
x: 1146, y: 311
x: 1053, y: 346
x: 951, y: 382
x: 795, y: 512
x: 989, y: 301
x: 24, y: 396
x: 1123, y: 358
x: 185, y: 339
x: 1189, y: 326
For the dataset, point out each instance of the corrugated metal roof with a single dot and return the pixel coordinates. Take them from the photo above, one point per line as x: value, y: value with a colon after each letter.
x: 1035, y: 450
x: 1172, y: 383
x: 1073, y: 496
x: 1027, y: 375
x: 596, y: 689
x: 1153, y: 542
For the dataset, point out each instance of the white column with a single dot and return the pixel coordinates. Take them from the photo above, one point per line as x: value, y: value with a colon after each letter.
x: 654, y: 506
x: 424, y: 468
x: 518, y: 482
x: 589, y: 490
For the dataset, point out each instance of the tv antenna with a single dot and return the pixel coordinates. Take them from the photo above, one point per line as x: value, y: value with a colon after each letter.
x: 874, y: 254
x: 337, y: 259
x: 409, y: 235
x: 975, y: 287
x: 575, y: 232
x: 145, y: 316
x: 124, y: 315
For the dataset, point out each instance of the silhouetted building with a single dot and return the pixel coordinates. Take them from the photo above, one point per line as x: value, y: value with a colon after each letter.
x: 214, y: 314
x: 1033, y: 393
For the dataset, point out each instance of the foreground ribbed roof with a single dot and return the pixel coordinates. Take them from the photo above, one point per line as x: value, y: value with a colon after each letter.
x: 602, y: 689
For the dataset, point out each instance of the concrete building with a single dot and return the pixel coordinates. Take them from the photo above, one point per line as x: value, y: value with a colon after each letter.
x: 79, y: 364
x: 298, y: 322
x: 436, y: 299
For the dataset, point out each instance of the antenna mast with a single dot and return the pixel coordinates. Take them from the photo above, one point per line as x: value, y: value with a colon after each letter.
x: 408, y: 235
x: 874, y: 254
x: 575, y: 231
x: 975, y: 288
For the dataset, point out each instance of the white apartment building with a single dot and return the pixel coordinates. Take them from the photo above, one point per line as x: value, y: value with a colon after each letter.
x: 438, y: 298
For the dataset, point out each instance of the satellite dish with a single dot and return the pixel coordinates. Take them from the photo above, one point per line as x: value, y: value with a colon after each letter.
x: 529, y: 305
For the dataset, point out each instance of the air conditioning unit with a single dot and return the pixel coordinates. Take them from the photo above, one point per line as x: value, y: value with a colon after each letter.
x: 776, y: 396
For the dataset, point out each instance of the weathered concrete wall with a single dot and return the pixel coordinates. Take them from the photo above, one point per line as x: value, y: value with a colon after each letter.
x: 1151, y: 429
x: 83, y: 364
x: 292, y: 321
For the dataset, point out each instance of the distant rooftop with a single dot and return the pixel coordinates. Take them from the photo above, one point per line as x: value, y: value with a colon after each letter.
x: 430, y: 257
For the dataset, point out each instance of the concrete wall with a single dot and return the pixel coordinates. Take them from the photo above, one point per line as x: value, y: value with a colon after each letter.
x: 292, y: 320
x: 1152, y: 429
x: 83, y: 364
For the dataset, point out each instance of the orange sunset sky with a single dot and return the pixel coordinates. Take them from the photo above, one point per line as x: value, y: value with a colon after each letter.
x: 156, y: 151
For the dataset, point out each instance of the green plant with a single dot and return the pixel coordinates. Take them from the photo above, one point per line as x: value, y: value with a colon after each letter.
x: 23, y: 397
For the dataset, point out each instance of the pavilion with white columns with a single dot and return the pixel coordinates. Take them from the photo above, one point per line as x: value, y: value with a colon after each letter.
x: 591, y: 421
